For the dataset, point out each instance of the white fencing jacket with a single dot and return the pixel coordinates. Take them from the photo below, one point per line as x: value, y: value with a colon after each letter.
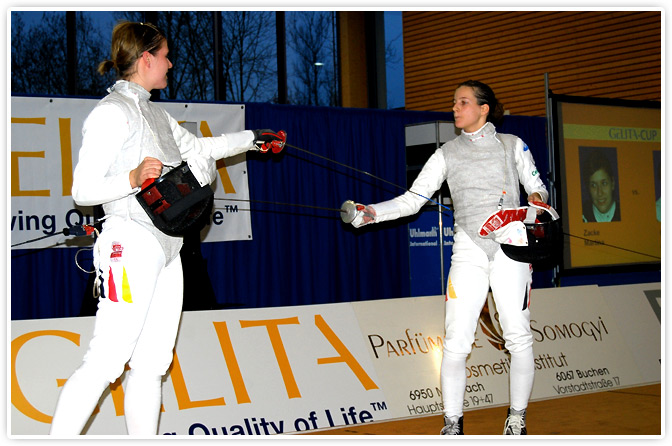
x: 123, y: 129
x: 480, y: 168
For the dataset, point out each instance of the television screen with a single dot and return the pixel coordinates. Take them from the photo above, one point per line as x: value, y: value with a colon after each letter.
x: 609, y: 159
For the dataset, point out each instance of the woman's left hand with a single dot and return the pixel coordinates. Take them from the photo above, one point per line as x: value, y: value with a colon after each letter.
x: 148, y: 169
x: 535, y: 197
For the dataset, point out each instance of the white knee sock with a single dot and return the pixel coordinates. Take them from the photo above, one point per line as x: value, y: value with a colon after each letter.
x: 521, y: 378
x: 453, y: 383
x: 142, y: 403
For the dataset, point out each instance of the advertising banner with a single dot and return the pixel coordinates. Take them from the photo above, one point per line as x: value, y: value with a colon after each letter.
x: 404, y: 339
x: 45, y: 136
x: 579, y: 346
x: 639, y: 307
x: 428, y: 266
x: 246, y: 372
x: 310, y: 368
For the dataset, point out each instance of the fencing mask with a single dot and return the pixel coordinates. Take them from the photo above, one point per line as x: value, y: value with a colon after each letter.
x: 175, y: 200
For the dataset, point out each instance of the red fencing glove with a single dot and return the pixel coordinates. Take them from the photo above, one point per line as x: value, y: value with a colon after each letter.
x: 506, y: 226
x: 267, y: 139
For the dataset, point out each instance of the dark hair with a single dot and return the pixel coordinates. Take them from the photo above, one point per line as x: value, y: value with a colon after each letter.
x: 485, y: 95
x: 129, y: 41
x: 595, y: 161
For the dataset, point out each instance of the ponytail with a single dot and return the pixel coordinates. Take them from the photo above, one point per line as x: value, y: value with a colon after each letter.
x: 129, y: 41
x: 485, y: 95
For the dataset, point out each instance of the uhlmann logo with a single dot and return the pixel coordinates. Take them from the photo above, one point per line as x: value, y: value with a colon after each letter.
x: 414, y: 232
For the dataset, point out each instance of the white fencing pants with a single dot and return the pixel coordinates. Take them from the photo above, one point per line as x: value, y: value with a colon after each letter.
x: 137, y: 320
x: 471, y: 276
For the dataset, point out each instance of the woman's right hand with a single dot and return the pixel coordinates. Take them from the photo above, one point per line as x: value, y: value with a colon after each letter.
x: 364, y: 216
x: 148, y: 169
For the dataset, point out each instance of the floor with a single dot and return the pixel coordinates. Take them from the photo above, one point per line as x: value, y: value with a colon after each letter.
x: 630, y: 411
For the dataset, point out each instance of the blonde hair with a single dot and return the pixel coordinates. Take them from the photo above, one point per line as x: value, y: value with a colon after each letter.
x: 129, y: 41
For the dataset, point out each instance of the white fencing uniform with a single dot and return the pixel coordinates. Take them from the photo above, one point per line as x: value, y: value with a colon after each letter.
x: 139, y: 266
x: 483, y: 171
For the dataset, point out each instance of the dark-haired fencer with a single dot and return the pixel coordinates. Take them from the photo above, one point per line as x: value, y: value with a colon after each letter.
x: 483, y: 170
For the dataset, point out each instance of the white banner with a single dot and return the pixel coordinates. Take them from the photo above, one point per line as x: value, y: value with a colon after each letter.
x: 579, y: 346
x: 292, y: 369
x: 45, y: 141
x: 639, y: 307
x: 405, y: 341
x: 245, y: 372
